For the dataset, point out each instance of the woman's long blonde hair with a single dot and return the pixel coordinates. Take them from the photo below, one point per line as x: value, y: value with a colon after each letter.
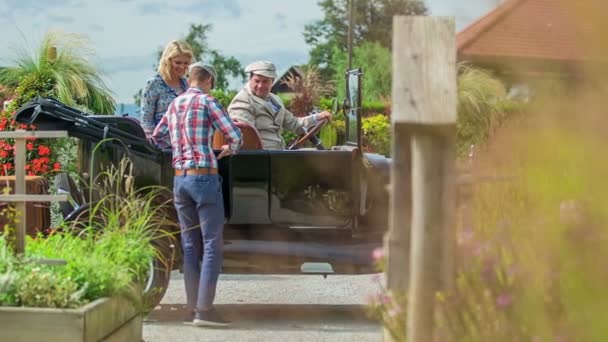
x: 173, y: 49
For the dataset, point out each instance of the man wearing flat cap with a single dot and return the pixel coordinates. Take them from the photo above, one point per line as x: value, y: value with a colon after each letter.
x: 255, y: 105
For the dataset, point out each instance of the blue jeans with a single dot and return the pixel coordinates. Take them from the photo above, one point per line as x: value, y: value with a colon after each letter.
x: 200, y: 210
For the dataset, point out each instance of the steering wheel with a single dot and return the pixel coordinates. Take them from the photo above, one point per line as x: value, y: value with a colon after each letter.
x: 311, y: 135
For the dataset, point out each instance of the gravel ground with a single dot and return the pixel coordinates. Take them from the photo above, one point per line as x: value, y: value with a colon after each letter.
x: 274, y: 308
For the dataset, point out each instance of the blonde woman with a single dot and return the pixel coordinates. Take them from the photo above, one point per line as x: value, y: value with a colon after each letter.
x: 166, y: 85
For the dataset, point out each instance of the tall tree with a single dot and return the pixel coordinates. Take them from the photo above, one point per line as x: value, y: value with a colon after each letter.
x: 74, y: 79
x: 225, y: 67
x: 376, y: 63
x: 372, y: 23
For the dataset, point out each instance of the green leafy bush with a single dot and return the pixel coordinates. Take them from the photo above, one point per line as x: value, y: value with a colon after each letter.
x: 35, y: 84
x: 107, y: 252
x: 223, y: 96
x: 377, y: 134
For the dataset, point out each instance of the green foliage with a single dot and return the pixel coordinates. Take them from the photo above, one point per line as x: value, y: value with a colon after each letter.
x: 288, y: 136
x: 373, y: 107
x: 482, y: 106
x: 375, y: 62
x: 377, y: 134
x: 308, y: 90
x: 95, y: 268
x: 286, y: 98
x: 479, y: 95
x: 527, y: 259
x: 197, y: 37
x: 8, y: 280
x: 37, y: 83
x: 107, y: 254
x: 225, y: 67
x: 43, y: 288
x: 223, y: 96
x: 372, y: 23
x: 60, y: 152
x: 328, y: 136
x: 75, y: 81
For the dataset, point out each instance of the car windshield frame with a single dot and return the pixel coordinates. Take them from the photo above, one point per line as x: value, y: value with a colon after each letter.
x: 353, y: 108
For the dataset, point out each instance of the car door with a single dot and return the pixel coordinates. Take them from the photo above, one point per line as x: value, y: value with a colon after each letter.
x: 246, y: 186
x: 312, y: 189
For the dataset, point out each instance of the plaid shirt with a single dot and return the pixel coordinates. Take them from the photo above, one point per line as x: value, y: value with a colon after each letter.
x: 188, y: 128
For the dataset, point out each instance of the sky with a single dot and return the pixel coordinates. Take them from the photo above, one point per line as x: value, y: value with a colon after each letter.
x: 126, y: 34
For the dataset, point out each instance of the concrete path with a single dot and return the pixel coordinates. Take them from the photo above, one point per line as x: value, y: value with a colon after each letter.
x: 273, y: 308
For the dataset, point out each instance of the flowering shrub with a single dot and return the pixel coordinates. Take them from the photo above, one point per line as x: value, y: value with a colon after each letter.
x: 40, y: 159
x: 38, y: 154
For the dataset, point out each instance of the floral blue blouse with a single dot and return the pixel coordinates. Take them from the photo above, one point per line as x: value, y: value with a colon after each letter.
x: 155, y: 99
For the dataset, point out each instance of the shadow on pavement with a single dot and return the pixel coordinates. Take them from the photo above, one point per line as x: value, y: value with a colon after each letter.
x: 269, y: 313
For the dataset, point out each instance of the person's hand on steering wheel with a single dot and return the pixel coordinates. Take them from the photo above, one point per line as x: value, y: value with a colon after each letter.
x: 324, y: 115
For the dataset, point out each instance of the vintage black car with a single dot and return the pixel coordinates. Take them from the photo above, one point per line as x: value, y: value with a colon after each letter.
x: 284, y: 209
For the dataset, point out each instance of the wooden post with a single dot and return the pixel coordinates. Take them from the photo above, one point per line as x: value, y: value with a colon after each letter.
x: 397, y: 239
x: 424, y: 110
x: 20, y: 198
x: 21, y: 224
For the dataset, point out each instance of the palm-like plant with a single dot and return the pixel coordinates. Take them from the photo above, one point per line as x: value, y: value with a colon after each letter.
x: 76, y: 82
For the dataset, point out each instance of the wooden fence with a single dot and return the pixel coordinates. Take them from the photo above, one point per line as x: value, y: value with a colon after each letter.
x: 20, y: 198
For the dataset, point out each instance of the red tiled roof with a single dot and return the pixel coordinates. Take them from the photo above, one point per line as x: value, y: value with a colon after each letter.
x: 528, y: 29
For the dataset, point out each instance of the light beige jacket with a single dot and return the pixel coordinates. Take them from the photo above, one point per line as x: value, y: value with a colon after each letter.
x: 259, y: 112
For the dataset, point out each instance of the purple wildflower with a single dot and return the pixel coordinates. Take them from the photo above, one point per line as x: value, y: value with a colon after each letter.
x: 464, y: 236
x: 504, y: 300
x: 378, y: 254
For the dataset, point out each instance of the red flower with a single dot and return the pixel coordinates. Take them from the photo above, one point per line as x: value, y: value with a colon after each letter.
x: 56, y: 166
x: 3, y: 153
x: 44, y: 151
x: 29, y: 146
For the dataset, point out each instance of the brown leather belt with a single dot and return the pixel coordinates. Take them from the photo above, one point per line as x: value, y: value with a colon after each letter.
x: 204, y: 171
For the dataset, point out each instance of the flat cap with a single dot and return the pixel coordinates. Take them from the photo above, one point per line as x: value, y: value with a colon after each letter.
x: 210, y: 69
x: 263, y: 68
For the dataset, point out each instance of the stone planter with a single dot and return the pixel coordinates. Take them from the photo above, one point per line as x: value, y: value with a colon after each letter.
x: 106, y: 319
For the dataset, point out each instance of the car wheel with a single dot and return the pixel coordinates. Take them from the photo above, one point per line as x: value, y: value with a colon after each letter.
x: 66, y: 185
x: 159, y: 272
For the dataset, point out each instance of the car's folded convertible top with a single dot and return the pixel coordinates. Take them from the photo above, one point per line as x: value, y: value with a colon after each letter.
x: 49, y: 114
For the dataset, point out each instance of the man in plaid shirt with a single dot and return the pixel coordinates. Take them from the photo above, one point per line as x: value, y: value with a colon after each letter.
x: 188, y: 126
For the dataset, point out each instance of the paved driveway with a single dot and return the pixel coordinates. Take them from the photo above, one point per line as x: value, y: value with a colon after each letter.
x: 274, y: 308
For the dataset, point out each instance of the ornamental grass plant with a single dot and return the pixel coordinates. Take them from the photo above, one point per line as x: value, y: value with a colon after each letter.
x: 107, y: 251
